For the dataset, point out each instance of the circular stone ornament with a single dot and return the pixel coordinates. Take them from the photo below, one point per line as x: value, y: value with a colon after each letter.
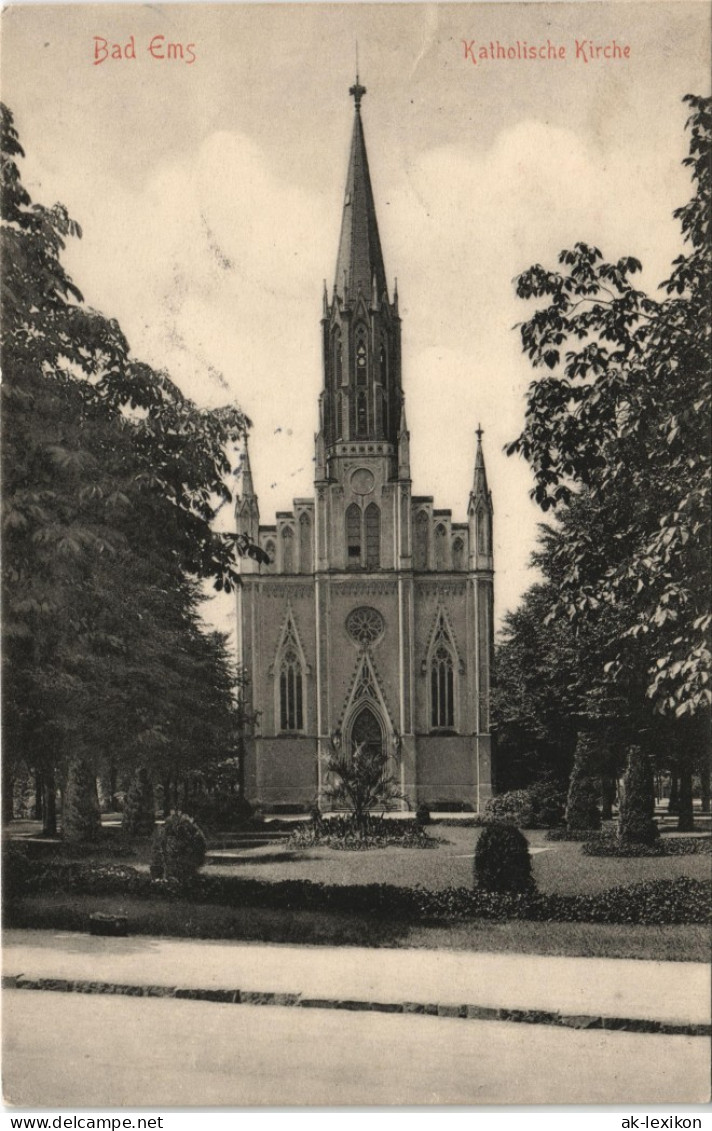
x: 362, y: 481
x: 365, y: 625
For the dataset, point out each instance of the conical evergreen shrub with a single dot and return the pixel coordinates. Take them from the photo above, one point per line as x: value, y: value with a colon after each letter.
x: 81, y: 820
x: 636, y: 824
x: 582, y: 812
x: 502, y: 860
x: 139, y: 816
x: 178, y: 849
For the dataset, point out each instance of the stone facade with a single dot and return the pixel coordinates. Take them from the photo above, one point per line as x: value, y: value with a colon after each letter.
x: 373, y: 622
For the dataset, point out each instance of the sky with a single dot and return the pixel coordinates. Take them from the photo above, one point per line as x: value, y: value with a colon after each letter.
x: 209, y: 190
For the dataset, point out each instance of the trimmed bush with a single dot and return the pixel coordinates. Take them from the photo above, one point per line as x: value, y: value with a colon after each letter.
x: 139, y: 815
x: 669, y: 846
x: 539, y: 806
x: 582, y: 810
x: 422, y: 815
x: 81, y: 818
x: 635, y: 821
x: 178, y: 849
x: 344, y: 832
x: 502, y: 860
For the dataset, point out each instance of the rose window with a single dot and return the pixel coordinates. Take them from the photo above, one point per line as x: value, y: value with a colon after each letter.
x: 365, y: 625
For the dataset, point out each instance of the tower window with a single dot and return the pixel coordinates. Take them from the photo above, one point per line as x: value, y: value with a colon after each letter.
x: 373, y: 536
x: 287, y: 550
x: 483, y: 540
x: 440, y: 546
x: 361, y: 414
x: 305, y: 544
x: 457, y: 551
x: 353, y: 536
x: 420, y: 549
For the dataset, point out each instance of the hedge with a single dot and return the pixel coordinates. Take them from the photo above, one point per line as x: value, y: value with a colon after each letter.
x: 612, y: 846
x: 681, y: 900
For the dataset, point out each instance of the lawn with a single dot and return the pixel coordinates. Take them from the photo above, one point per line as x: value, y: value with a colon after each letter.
x: 559, y: 866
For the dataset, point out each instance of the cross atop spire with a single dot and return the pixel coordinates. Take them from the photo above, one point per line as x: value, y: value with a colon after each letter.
x: 360, y: 259
x: 479, y: 432
x: 357, y: 92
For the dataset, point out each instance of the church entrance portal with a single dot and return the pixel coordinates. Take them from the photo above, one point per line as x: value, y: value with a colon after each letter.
x: 367, y: 732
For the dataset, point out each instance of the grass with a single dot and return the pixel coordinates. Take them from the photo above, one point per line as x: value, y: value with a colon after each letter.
x: 558, y: 867
x: 182, y: 919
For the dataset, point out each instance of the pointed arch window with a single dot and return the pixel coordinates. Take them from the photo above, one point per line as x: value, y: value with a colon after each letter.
x: 305, y: 544
x: 290, y: 681
x: 442, y: 672
x: 353, y: 536
x: 440, y: 547
x: 458, y: 548
x: 373, y: 536
x: 442, y: 689
x: 361, y: 353
x: 338, y: 356
x: 291, y: 696
x: 287, y: 550
x: 483, y: 533
x: 270, y: 551
x: 420, y: 538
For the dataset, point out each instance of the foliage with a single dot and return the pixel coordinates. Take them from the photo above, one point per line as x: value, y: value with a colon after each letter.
x: 139, y: 815
x: 361, y: 781
x: 179, y: 848
x: 538, y: 806
x: 636, y: 822
x: 112, y: 479
x: 422, y: 814
x: 582, y: 810
x: 619, y: 425
x: 656, y: 902
x: 665, y: 846
x: 81, y: 819
x: 347, y: 834
x: 502, y: 860
x: 17, y: 871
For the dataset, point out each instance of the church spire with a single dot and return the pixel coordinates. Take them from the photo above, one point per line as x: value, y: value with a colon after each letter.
x: 479, y: 486
x: 248, y: 489
x: 359, y: 264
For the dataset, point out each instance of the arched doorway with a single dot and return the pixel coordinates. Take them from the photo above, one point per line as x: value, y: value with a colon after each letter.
x: 367, y: 731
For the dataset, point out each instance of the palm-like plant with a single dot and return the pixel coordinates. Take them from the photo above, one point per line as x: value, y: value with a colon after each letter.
x: 361, y: 782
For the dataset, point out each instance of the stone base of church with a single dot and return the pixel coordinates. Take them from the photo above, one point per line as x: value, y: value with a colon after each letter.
x: 451, y: 771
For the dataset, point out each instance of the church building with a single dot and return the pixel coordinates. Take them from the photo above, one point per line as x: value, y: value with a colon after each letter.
x: 373, y: 621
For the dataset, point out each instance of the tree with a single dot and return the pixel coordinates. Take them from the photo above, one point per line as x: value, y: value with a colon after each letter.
x: 112, y: 479
x: 617, y: 437
x: 361, y: 781
x: 622, y: 419
x: 582, y: 812
x: 636, y: 824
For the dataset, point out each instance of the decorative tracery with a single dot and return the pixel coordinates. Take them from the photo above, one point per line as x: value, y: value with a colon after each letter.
x: 365, y: 625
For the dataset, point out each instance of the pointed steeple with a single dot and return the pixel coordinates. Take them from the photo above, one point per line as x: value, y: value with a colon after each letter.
x: 359, y: 264
x: 248, y: 489
x: 479, y: 486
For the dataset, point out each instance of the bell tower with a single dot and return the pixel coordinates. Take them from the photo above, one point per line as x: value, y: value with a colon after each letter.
x: 362, y: 446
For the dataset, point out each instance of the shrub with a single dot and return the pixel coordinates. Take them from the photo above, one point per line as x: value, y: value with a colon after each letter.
x: 81, y: 819
x: 222, y: 812
x: 16, y: 871
x: 422, y: 815
x: 539, y: 806
x: 502, y: 860
x: 346, y: 832
x: 657, y: 902
x: 582, y: 810
x: 635, y: 820
x: 670, y: 846
x: 179, y: 849
x: 139, y: 815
